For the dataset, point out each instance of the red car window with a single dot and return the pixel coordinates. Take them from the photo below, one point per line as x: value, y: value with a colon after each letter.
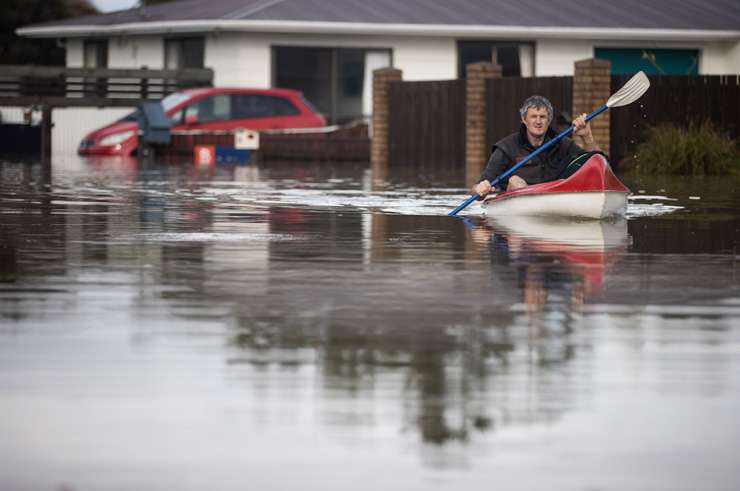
x: 246, y: 106
x: 177, y: 117
x: 209, y: 109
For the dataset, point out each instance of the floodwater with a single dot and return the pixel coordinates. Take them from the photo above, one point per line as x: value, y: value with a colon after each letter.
x: 288, y: 328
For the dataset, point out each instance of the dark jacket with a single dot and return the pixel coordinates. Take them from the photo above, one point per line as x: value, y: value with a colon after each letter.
x: 514, y: 148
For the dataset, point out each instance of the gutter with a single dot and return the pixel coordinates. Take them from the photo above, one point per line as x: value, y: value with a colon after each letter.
x: 361, y: 28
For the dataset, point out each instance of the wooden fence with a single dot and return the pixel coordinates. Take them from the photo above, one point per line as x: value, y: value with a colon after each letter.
x: 427, y: 126
x: 679, y: 100
x: 505, y: 97
x: 330, y: 144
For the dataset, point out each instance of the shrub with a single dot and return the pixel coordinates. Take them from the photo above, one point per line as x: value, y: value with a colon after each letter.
x: 696, y: 150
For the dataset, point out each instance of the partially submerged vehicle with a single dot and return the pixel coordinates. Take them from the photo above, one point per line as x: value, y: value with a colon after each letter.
x: 210, y: 109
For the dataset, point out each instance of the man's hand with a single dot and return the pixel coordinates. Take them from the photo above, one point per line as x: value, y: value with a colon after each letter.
x: 582, y: 129
x: 482, y: 188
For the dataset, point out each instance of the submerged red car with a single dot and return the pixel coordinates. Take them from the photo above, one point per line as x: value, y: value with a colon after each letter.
x: 211, y: 109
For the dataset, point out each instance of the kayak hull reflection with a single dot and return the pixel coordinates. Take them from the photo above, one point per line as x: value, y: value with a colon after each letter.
x: 590, y: 247
x: 563, y: 235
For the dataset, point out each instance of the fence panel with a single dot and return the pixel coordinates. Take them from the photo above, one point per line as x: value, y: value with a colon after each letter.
x: 676, y: 99
x: 427, y: 127
x: 505, y: 97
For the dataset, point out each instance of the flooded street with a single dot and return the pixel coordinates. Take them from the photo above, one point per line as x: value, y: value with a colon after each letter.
x: 288, y: 327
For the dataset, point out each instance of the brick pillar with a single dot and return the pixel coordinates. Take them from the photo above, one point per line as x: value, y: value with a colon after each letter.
x: 476, y: 118
x: 591, y: 89
x: 381, y: 115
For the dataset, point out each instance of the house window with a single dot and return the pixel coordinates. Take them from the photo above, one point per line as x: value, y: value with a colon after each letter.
x: 651, y: 61
x: 516, y: 59
x: 95, y: 55
x: 184, y: 53
x: 338, y: 81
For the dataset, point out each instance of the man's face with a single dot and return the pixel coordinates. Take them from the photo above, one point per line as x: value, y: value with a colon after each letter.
x: 536, y: 120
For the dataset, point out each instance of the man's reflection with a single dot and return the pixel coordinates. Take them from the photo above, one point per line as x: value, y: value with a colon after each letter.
x: 554, y: 266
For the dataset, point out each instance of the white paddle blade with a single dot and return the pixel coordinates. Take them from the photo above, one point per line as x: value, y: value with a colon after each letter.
x: 631, y: 91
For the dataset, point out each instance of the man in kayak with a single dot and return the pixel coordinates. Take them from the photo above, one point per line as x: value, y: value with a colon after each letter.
x: 536, y: 113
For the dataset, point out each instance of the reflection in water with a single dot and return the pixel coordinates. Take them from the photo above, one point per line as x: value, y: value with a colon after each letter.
x: 551, y: 268
x: 557, y: 261
x: 234, y: 325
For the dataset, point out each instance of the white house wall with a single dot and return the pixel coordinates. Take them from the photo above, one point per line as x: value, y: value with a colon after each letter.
x: 245, y: 59
x: 733, y: 57
x: 136, y: 52
x: 426, y: 59
x: 713, y: 59
x: 239, y: 59
x: 74, y: 52
x: 556, y: 58
x: 730, y: 53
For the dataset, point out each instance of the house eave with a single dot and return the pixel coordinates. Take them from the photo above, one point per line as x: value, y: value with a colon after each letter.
x: 427, y: 30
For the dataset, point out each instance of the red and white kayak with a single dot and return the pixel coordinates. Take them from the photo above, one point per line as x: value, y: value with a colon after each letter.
x: 592, y: 192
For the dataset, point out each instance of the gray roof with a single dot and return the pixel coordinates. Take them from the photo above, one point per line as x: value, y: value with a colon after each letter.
x: 638, y: 14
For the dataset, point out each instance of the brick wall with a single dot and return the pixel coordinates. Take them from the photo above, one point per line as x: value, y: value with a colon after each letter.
x: 476, y: 149
x: 591, y: 89
x: 379, y: 130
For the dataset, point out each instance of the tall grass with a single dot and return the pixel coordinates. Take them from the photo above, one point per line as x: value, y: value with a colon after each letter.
x: 697, y: 150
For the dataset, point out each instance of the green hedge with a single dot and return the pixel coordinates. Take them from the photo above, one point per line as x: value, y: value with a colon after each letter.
x: 696, y: 150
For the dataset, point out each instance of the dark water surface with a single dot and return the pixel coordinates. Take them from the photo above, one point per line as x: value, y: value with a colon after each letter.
x: 170, y: 327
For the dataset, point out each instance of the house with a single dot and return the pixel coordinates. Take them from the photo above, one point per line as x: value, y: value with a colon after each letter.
x: 328, y: 48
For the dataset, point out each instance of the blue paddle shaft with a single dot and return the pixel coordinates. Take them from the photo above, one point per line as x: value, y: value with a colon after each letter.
x: 563, y: 134
x: 464, y: 204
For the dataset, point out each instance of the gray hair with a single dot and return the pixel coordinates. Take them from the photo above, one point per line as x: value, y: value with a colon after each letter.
x: 536, y: 101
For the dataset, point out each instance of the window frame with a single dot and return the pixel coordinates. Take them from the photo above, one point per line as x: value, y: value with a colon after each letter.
x: 97, y: 87
x: 332, y: 113
x: 101, y: 52
x: 180, y: 45
x: 493, y: 43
